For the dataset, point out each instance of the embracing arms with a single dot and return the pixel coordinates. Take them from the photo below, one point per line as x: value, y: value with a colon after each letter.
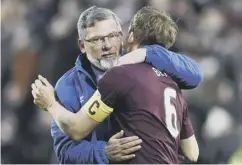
x: 182, y: 69
x: 76, y: 125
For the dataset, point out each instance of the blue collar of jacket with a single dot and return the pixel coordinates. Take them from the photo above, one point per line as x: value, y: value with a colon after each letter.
x: 83, y: 65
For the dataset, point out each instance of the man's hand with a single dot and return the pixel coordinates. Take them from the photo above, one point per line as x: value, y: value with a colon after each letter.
x: 43, y: 93
x: 119, y: 149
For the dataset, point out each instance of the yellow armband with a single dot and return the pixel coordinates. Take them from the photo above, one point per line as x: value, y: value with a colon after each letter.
x: 96, y: 108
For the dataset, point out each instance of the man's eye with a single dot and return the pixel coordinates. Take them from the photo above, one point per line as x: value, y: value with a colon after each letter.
x: 96, y: 39
x: 111, y: 35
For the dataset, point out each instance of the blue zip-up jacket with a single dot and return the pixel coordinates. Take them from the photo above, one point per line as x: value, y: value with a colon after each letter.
x: 78, y: 84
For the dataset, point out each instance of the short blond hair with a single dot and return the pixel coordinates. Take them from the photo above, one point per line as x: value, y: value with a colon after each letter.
x: 153, y: 26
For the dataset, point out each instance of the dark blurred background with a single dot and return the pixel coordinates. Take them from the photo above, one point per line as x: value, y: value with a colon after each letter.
x: 40, y: 37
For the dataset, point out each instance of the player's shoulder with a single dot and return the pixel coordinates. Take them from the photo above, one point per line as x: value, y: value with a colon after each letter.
x: 116, y: 75
x: 120, y: 68
x: 136, y: 72
x: 117, y: 71
x: 129, y: 68
x: 123, y: 71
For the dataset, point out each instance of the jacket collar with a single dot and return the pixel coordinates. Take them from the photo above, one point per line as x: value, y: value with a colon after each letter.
x: 80, y: 61
x: 85, y: 67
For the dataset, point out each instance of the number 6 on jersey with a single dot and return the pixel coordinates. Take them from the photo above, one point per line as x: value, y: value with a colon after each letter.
x: 170, y: 112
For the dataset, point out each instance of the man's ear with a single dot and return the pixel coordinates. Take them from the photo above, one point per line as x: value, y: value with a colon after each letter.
x: 131, y: 38
x: 81, y: 46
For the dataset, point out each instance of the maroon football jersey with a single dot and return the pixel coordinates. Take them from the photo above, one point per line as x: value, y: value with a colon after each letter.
x: 147, y: 103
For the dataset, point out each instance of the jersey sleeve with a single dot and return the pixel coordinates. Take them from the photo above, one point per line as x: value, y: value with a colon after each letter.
x: 113, y: 85
x: 187, y: 129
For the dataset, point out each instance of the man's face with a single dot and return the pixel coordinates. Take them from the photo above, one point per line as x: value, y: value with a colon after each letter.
x: 103, y: 43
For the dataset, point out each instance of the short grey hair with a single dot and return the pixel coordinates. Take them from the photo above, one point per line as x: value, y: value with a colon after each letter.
x: 94, y: 14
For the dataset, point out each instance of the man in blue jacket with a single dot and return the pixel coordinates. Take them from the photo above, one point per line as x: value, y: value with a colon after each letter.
x: 100, y: 42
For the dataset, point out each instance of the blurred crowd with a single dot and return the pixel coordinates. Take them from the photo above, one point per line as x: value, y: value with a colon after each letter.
x: 40, y: 37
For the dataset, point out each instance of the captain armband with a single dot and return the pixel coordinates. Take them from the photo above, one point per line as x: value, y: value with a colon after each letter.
x: 96, y: 108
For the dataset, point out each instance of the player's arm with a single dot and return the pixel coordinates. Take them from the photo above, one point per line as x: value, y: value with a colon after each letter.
x: 181, y: 68
x: 69, y: 151
x: 189, y: 144
x: 75, y: 125
x: 79, y: 125
x: 113, y: 85
x: 190, y: 149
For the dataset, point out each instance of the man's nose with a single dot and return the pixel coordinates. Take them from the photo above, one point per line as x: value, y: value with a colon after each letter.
x: 106, y: 44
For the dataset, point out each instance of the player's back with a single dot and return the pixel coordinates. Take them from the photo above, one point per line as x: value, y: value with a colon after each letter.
x: 153, y: 110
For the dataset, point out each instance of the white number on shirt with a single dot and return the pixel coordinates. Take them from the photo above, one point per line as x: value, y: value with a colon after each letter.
x: 170, y: 112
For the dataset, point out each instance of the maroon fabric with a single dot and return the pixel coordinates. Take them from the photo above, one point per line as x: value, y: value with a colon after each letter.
x: 137, y: 93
